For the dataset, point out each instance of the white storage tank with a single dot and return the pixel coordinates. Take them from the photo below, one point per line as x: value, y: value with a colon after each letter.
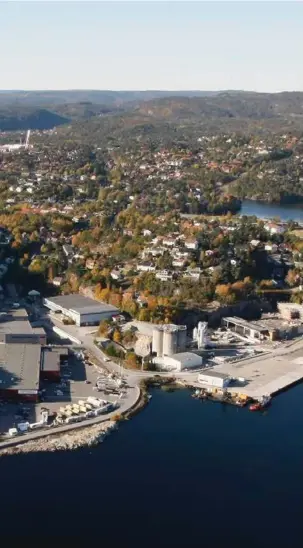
x: 157, y: 344
x: 170, y: 340
x: 182, y: 337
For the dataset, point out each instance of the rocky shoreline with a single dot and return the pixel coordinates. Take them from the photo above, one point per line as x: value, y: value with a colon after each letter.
x: 84, y: 437
x: 89, y: 436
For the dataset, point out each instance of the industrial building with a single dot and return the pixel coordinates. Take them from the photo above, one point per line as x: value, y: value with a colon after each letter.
x: 214, y: 379
x: 51, y: 361
x: 20, y: 371
x: 244, y: 328
x: 16, y: 328
x: 82, y: 310
x: 24, y: 358
x: 169, y: 339
x: 178, y: 362
x: 290, y: 311
x: 268, y: 328
x: 17, y: 146
x: 20, y: 356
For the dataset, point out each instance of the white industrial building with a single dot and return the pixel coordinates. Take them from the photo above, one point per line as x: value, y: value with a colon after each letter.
x: 178, y: 362
x: 214, y: 379
x: 82, y: 310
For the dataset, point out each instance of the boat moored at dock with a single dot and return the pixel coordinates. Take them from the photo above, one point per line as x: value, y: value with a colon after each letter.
x: 260, y: 404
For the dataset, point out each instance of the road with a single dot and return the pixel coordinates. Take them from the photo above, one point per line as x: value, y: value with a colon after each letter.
x: 62, y: 429
x: 133, y: 377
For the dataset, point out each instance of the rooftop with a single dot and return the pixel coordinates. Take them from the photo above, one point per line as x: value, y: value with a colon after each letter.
x: 15, y: 321
x: 186, y: 357
x: 50, y: 359
x: 216, y: 374
x: 265, y: 324
x: 20, y: 366
x: 79, y: 303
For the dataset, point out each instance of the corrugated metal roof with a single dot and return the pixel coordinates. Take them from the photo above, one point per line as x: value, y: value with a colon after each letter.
x: 81, y: 304
x: 20, y: 366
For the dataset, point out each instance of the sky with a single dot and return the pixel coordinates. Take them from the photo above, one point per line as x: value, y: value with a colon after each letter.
x: 151, y: 45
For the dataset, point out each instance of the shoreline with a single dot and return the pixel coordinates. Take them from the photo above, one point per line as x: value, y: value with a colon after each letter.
x: 84, y: 433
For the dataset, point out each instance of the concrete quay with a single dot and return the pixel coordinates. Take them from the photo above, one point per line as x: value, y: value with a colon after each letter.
x: 268, y: 374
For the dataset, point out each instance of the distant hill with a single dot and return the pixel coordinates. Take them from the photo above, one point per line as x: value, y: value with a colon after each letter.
x: 17, y: 118
x: 104, y: 97
x: 129, y: 112
x: 244, y: 105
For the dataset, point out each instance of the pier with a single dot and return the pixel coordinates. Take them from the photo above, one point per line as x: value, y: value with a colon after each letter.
x: 267, y: 374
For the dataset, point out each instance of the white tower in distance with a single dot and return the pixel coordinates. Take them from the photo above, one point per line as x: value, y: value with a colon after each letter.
x: 28, y: 133
x: 200, y: 334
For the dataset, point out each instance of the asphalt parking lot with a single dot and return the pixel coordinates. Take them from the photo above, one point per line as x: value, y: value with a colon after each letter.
x: 12, y: 414
x: 78, y: 381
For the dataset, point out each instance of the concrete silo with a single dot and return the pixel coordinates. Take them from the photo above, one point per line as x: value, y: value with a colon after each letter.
x: 202, y: 334
x: 182, y: 337
x: 170, y: 340
x: 157, y: 343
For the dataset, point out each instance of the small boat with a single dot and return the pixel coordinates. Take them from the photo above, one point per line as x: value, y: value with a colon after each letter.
x: 261, y: 404
x: 255, y: 406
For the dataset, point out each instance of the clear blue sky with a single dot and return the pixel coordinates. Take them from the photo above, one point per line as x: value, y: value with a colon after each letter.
x: 151, y: 45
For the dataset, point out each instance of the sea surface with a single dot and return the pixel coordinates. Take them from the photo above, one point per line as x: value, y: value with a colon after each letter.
x: 263, y: 210
x: 181, y: 473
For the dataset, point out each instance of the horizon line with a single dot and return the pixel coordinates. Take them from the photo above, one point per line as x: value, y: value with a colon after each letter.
x: 146, y: 90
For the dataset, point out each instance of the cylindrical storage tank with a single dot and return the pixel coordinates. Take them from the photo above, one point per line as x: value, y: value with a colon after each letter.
x: 170, y: 341
x: 157, y: 344
x: 182, y: 337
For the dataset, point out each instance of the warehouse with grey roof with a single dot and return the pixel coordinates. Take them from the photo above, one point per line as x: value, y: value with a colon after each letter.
x: 20, y: 356
x: 20, y: 370
x: 81, y: 310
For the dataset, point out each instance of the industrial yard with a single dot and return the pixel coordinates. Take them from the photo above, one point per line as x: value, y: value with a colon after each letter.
x: 55, y: 386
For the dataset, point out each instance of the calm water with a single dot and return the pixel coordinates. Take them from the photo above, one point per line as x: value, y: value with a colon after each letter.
x: 268, y: 211
x: 181, y: 473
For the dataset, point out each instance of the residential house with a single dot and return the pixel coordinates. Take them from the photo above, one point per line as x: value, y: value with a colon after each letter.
x: 147, y: 232
x: 274, y: 228
x: 193, y: 273
x: 57, y: 281
x: 90, y: 264
x: 164, y: 275
x: 146, y: 267
x: 191, y: 243
x: 169, y: 241
x: 116, y: 275
x: 271, y: 247
x: 179, y: 262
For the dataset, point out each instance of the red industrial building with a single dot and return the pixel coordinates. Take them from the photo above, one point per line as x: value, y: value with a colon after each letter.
x: 52, y: 359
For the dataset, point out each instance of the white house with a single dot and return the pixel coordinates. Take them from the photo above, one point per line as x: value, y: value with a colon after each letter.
x: 179, y: 262
x: 274, y: 228
x: 191, y: 244
x: 146, y: 232
x: 146, y: 267
x: 57, y: 281
x: 170, y: 242
x: 164, y: 275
